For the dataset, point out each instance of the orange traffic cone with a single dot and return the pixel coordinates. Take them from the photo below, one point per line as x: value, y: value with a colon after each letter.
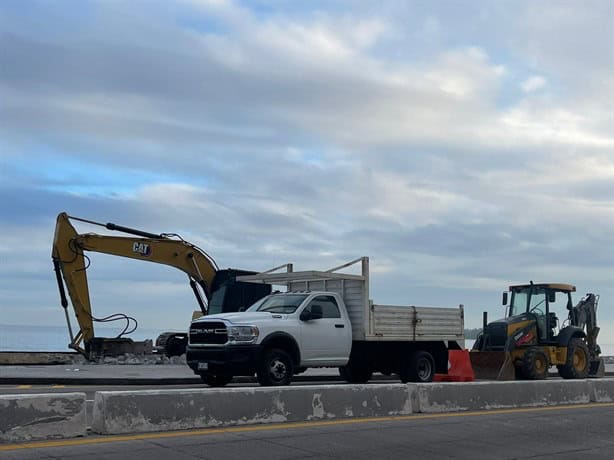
x: 459, y: 368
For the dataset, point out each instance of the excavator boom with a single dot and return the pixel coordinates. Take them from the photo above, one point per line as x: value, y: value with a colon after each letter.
x: 70, y: 263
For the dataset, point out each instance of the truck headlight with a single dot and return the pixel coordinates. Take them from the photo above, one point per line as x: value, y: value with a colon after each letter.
x: 242, y: 334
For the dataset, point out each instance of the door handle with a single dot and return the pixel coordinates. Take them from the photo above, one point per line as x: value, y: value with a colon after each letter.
x: 340, y: 326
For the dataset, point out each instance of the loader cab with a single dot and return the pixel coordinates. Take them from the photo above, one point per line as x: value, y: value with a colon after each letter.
x: 542, y: 302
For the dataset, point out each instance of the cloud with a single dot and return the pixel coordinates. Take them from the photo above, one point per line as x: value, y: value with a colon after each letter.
x: 462, y: 148
x: 533, y: 83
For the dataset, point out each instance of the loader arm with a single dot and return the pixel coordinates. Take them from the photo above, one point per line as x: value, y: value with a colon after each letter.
x: 584, y: 316
x: 70, y: 263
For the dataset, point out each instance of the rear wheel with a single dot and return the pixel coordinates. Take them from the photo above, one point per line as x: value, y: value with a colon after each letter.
x: 577, y: 364
x: 216, y: 380
x: 535, y: 364
x: 419, y: 368
x: 275, y: 368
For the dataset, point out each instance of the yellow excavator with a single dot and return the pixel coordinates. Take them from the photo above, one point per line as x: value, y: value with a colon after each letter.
x: 216, y: 291
x: 529, y: 340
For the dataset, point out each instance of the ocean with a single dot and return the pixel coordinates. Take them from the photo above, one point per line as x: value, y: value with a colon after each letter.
x: 55, y: 338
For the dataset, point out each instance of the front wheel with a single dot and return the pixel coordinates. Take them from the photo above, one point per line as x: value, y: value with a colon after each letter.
x: 577, y: 364
x: 275, y: 368
x: 535, y: 364
x: 419, y: 368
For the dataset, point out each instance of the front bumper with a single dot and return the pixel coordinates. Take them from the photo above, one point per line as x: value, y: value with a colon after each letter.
x: 232, y: 359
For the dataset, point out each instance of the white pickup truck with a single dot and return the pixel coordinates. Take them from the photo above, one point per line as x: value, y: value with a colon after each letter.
x: 324, y: 319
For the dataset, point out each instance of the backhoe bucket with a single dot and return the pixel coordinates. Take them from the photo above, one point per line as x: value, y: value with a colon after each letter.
x: 492, y: 365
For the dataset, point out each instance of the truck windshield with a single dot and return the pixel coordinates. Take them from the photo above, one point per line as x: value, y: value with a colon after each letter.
x: 286, y: 303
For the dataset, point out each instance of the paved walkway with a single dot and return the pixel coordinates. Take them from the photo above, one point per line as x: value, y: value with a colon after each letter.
x: 125, y: 374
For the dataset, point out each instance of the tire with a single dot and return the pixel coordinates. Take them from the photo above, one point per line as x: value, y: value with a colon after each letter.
x: 577, y: 364
x: 535, y: 364
x: 275, y: 368
x: 216, y: 380
x: 355, y: 374
x: 419, y: 368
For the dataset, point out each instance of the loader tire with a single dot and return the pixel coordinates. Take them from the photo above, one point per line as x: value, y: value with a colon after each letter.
x: 534, y: 364
x: 577, y: 364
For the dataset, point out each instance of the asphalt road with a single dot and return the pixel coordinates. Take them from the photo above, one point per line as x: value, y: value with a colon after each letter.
x: 572, y: 432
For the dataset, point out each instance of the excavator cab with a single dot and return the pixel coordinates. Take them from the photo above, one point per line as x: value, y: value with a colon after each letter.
x: 530, y: 338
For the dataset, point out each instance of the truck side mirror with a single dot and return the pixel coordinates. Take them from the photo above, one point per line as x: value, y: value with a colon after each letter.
x: 504, y: 299
x: 311, y: 312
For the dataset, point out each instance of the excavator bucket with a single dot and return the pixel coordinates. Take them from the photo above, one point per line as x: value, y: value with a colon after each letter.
x: 492, y: 365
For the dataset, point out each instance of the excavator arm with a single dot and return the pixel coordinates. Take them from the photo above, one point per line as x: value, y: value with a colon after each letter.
x: 71, y: 262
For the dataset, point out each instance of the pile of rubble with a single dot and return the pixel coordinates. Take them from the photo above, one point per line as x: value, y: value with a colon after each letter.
x: 141, y: 359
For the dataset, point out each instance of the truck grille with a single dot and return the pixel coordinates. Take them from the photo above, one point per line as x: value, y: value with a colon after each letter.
x: 208, y: 333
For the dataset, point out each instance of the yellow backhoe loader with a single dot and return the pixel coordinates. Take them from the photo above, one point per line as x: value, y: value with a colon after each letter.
x: 222, y: 293
x: 529, y: 340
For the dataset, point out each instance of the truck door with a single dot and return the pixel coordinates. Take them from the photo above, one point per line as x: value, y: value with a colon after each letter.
x: 326, y: 340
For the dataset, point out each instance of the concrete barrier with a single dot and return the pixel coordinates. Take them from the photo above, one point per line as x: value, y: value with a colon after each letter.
x: 42, y: 416
x: 118, y: 412
x: 602, y: 390
x: 455, y: 397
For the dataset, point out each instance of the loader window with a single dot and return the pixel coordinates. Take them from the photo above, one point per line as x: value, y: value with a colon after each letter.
x: 537, y: 306
x: 538, y: 303
x: 519, y: 303
x: 558, y: 301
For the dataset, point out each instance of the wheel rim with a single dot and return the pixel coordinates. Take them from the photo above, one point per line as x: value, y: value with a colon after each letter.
x: 579, y: 360
x: 540, y: 364
x: 278, y: 369
x: 425, y: 369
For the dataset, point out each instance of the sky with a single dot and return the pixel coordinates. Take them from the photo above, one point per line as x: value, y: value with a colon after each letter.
x: 462, y: 145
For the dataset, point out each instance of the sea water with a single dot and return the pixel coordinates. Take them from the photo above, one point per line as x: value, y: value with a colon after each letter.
x: 56, y: 338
